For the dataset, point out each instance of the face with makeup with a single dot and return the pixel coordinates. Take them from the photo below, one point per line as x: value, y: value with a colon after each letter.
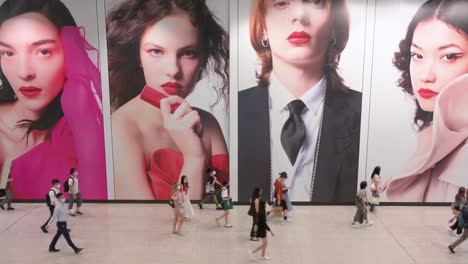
x: 439, y: 55
x: 32, y: 59
x: 298, y: 31
x: 170, y: 55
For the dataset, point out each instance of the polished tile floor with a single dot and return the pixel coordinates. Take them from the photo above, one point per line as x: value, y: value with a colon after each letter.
x: 141, y: 233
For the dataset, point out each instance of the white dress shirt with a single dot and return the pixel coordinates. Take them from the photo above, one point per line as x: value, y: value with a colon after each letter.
x: 299, y: 175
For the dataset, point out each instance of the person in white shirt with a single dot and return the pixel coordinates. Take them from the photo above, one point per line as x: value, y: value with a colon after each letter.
x: 74, y: 193
x: 375, y: 189
x: 227, y: 205
x: 51, y: 199
x: 60, y: 213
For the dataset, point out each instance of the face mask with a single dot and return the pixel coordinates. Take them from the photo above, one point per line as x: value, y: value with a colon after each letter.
x: 57, y: 186
x: 62, y: 200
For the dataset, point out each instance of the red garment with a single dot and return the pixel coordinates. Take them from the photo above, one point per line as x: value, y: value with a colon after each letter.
x: 166, y: 165
x: 279, y: 189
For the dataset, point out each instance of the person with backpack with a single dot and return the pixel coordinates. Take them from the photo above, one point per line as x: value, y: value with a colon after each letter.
x: 361, y: 203
x: 71, y: 186
x: 212, y: 189
x: 51, y: 200
x: 60, y: 213
x: 464, y: 214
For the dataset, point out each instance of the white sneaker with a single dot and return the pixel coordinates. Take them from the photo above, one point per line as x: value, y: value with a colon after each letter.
x: 265, y: 258
x: 369, y: 223
x: 355, y: 225
x: 287, y: 220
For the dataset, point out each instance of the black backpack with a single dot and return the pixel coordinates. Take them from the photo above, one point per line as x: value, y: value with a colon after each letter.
x: 66, y: 187
x: 49, y: 203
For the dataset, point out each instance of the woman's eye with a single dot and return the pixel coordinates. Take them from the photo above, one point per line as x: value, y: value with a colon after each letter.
x: 156, y: 52
x: 189, y: 53
x: 281, y: 4
x: 416, y: 56
x: 6, y: 53
x: 451, y: 57
x: 44, y: 52
x: 315, y: 2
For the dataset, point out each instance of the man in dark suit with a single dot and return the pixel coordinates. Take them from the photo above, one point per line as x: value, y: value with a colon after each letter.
x: 336, y: 170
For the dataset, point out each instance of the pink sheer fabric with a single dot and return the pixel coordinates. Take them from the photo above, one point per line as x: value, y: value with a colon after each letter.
x: 77, y: 139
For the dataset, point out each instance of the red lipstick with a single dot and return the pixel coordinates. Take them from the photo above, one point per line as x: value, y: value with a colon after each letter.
x: 30, y: 91
x: 172, y: 88
x: 299, y: 38
x: 426, y: 93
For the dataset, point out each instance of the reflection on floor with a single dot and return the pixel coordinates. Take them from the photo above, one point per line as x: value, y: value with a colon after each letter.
x: 141, y: 233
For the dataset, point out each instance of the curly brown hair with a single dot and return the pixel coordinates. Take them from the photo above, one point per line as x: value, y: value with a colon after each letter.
x: 125, y: 26
x: 340, y: 24
x: 454, y: 14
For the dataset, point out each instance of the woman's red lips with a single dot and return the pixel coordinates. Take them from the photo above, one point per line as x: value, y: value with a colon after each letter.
x: 298, y: 38
x: 427, y: 93
x: 171, y: 88
x: 30, y: 91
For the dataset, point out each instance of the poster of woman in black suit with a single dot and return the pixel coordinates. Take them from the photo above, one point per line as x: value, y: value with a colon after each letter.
x: 300, y: 117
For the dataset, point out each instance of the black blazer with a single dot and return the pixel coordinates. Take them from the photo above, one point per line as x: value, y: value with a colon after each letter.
x: 338, y: 157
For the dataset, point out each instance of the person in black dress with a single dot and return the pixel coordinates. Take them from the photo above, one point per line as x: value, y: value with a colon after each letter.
x: 253, y: 211
x: 262, y: 228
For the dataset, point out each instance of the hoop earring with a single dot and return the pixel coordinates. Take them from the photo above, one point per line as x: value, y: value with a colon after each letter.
x: 265, y: 43
x: 333, y: 42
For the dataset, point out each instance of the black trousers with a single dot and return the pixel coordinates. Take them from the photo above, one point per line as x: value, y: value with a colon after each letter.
x: 51, y: 209
x: 62, y: 230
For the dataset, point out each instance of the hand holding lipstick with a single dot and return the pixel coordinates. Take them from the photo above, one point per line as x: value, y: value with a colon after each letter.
x: 183, y: 126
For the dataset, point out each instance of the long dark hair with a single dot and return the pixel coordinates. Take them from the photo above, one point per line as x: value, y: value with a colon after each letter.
x: 60, y: 16
x: 340, y: 24
x: 376, y: 171
x: 256, y: 193
x: 460, y: 194
x: 125, y: 26
x: 454, y: 14
x: 182, y: 181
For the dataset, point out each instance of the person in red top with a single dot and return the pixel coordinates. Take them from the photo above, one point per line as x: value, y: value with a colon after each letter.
x: 279, y: 194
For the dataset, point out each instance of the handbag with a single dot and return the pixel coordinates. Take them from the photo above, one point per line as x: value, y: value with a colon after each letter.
x: 171, y: 203
x: 251, y: 210
x: 374, y: 200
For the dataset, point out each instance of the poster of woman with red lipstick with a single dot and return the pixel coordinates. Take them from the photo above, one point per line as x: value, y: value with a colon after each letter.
x: 430, y: 124
x: 299, y: 115
x: 162, y: 53
x: 50, y: 97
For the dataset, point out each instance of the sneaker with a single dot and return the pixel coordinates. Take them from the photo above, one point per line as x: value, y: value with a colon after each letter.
x: 355, y: 225
x: 265, y: 258
x: 369, y: 223
x: 287, y: 220
x: 78, y: 212
x: 10, y: 208
x: 451, y: 249
x: 54, y: 250
x: 228, y: 226
x: 78, y: 250
x: 71, y: 214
